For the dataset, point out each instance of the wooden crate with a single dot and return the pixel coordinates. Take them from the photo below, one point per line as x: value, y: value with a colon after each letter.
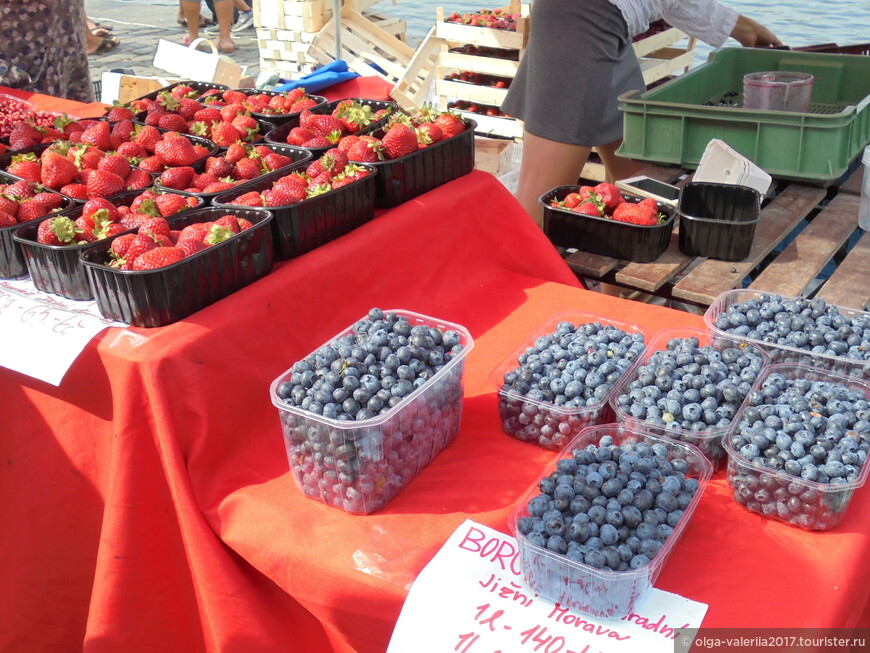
x: 494, y: 38
x: 666, y: 61
x: 478, y: 64
x: 416, y: 86
x: 294, y: 15
x: 494, y: 125
x: 471, y: 92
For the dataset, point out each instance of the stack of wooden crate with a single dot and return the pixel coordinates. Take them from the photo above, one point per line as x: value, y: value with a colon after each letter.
x: 288, y: 31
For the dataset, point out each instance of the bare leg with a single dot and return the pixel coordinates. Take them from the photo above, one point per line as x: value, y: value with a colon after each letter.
x: 224, y: 11
x: 618, y: 167
x: 190, y: 8
x: 545, y: 165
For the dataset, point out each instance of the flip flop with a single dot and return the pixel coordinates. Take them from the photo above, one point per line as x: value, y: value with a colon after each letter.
x: 94, y: 26
x: 106, y: 44
x: 225, y: 50
x: 100, y: 31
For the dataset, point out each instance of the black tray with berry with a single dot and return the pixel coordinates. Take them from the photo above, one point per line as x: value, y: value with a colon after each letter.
x: 183, y: 182
x: 304, y: 222
x: 51, y: 252
x: 404, y: 177
x: 633, y: 233
x: 168, y: 293
x: 277, y: 115
x: 366, y: 116
x: 199, y: 88
x: 21, y: 202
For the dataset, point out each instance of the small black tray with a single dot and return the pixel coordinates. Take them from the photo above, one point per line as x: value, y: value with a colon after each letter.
x: 718, y: 220
x: 199, y: 87
x: 278, y: 119
x: 153, y: 298
x: 279, y: 135
x: 297, y: 154
x: 301, y: 227
x: 55, y: 268
x: 604, y: 236
x: 402, y: 179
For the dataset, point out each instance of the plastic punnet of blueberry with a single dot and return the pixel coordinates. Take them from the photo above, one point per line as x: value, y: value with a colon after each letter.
x: 810, y: 325
x: 562, y: 382
x: 691, y: 392
x: 355, y: 426
x: 800, y: 446
x: 605, y: 519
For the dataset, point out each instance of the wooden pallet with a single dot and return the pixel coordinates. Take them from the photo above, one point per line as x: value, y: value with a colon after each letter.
x: 416, y: 86
x: 827, y: 228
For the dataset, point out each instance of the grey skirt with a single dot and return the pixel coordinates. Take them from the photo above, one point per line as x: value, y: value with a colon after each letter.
x: 578, y: 61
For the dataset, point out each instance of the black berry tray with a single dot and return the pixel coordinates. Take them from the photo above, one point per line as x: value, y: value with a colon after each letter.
x: 153, y: 298
x: 301, y: 227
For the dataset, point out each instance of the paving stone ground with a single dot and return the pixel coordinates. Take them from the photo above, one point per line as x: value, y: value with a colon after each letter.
x: 140, y: 24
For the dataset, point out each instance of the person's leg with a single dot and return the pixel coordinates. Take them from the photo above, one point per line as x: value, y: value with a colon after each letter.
x: 618, y: 167
x: 190, y: 9
x: 224, y: 11
x: 545, y: 165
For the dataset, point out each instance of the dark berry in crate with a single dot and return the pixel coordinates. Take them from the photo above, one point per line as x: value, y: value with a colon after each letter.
x: 563, y: 381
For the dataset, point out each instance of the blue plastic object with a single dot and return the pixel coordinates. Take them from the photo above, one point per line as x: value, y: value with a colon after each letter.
x: 324, y: 77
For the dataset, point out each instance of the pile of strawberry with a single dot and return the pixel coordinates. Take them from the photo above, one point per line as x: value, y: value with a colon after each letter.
x: 25, y: 200
x: 291, y: 102
x: 479, y: 79
x: 238, y: 164
x: 403, y: 134
x: 475, y: 107
x: 156, y: 245
x: 219, y: 116
x: 493, y: 18
x: 32, y: 131
x: 329, y: 172
x: 79, y: 171
x: 316, y: 130
x: 155, y: 151
x: 101, y: 218
x: 605, y: 201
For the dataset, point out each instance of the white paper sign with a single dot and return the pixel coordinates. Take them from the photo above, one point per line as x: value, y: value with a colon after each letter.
x: 471, y: 598
x: 44, y: 333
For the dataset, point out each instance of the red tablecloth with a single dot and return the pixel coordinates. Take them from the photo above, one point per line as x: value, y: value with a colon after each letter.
x: 147, y: 502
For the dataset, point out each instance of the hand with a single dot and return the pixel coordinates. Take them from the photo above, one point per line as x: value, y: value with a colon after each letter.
x: 753, y: 34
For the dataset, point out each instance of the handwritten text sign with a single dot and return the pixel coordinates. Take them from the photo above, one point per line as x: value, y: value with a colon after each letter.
x: 44, y: 333
x: 474, y: 585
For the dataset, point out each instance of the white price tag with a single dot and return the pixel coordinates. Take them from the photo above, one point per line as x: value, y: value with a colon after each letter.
x: 44, y: 333
x: 471, y: 598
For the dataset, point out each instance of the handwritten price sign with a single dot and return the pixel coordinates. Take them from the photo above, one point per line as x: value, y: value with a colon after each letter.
x: 475, y: 586
x: 48, y: 332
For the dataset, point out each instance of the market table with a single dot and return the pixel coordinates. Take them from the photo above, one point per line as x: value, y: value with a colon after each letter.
x: 148, y: 503
x: 829, y: 257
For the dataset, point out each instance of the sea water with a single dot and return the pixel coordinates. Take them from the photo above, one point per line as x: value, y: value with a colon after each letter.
x: 796, y: 23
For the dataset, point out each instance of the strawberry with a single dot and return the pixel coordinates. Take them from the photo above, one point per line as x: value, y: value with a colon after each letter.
x: 252, y: 198
x: 354, y: 115
x: 366, y: 152
x: 203, y: 180
x: 159, y: 257
x: 428, y: 133
x: 22, y: 188
x: 138, y: 246
x: 318, y: 141
x: 121, y: 245
x: 571, y: 200
x: 218, y: 186
x: 182, y: 91
x: 173, y: 122
x: 208, y: 115
x: 132, y: 220
x: 225, y: 134
x: 137, y: 179
x: 236, y: 152
x: 114, y: 163
x: 170, y: 203
x: 299, y: 135
x: 131, y: 150
x: 57, y: 170
x: 7, y: 219
x: 119, y: 112
x: 588, y: 207
x: 609, y: 196
x: 104, y: 184
x: 196, y: 231
x: 247, y: 169
x: 219, y: 166
x: 56, y: 231
x: 176, y: 151
x: 232, y: 110
x: 31, y: 209
x: 274, y: 161
x: 177, y: 178
x: 25, y: 166
x: 154, y: 227
x: 346, y: 141
x: 188, y: 108
x: 635, y: 214
x: 8, y: 204
x: 147, y: 137
x: 246, y: 124
x: 152, y: 163
x: 190, y: 246
x: 229, y: 222
x: 98, y: 135
x: 94, y: 206
x: 450, y: 124
x: 24, y: 134
x: 323, y: 125
x: 76, y: 191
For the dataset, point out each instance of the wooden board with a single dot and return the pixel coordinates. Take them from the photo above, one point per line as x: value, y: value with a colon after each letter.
x: 712, y: 277
x: 492, y: 38
x: 590, y: 265
x: 665, y: 62
x: 643, y: 47
x: 492, y: 125
x: 802, y: 259
x: 855, y: 181
x: 652, y: 276
x: 417, y: 83
x: 848, y: 285
x: 470, y: 92
x: 478, y: 64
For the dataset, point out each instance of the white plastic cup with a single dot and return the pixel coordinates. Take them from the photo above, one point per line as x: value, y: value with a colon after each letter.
x: 778, y: 90
x: 864, y: 207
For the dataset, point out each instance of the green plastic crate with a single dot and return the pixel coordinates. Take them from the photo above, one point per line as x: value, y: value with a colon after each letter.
x: 674, y: 122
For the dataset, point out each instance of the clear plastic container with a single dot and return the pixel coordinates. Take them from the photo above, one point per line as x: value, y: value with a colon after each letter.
x: 781, y: 496
x: 708, y: 441
x: 778, y: 90
x: 598, y: 592
x: 785, y: 353
x: 544, y: 423
x: 358, y: 466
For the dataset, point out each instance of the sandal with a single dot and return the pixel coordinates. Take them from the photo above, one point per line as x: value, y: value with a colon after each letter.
x: 203, y: 22
x: 107, y: 44
x: 98, y: 27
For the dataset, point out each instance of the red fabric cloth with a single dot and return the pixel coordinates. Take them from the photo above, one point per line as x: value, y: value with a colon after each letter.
x: 147, y: 502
